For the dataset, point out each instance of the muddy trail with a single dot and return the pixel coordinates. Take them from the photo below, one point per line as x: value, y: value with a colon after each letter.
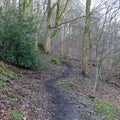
x: 63, y: 104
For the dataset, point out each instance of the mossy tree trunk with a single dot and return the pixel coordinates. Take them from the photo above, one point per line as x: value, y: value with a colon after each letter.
x: 58, y: 16
x: 85, y: 42
x: 24, y: 6
x: 31, y: 7
x: 21, y: 6
x: 48, y: 40
x: 59, y: 12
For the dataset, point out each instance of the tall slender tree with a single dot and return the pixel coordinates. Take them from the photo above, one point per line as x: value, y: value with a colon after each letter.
x: 85, y: 42
x: 48, y: 40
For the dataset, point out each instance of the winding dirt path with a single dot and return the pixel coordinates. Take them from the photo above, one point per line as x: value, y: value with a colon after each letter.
x: 63, y: 104
x: 42, y: 99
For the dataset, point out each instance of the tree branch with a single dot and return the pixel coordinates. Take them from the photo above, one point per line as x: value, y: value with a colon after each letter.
x: 70, y: 21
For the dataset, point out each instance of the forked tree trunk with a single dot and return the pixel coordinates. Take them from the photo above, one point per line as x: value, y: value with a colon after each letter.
x: 59, y: 13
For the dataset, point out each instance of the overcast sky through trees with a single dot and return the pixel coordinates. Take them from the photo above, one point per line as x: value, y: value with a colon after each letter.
x: 93, y: 2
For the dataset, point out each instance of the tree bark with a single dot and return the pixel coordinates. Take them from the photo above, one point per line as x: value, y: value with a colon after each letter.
x: 85, y: 42
x: 31, y: 7
x: 14, y: 3
x: 47, y: 44
x: 21, y: 6
x: 59, y: 12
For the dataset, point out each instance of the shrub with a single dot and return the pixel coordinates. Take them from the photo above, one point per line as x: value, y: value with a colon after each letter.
x: 17, y: 44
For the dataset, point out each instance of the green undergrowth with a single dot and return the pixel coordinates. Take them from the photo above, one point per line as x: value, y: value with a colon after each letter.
x: 67, y: 86
x: 14, y: 96
x: 5, y: 73
x: 56, y: 60
x: 16, y: 114
x: 97, y: 107
x: 106, y: 109
x: 2, y: 84
x: 64, y: 85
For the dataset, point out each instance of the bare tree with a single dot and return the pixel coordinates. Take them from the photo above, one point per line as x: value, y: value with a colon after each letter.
x: 85, y: 43
x: 58, y: 13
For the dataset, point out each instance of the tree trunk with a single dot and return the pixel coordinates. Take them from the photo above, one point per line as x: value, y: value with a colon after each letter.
x: 31, y: 7
x: 47, y: 45
x: 14, y: 3
x: 85, y: 42
x: 58, y: 13
x: 21, y: 6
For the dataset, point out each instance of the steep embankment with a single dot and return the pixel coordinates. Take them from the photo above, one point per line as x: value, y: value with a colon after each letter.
x: 37, y: 95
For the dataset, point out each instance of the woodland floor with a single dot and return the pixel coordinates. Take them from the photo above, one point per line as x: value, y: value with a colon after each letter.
x: 56, y: 92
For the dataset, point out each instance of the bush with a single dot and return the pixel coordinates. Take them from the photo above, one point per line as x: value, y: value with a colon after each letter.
x: 17, y: 44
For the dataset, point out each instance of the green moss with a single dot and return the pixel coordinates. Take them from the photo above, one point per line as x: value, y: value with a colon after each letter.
x: 2, y: 84
x: 102, y: 107
x: 14, y: 96
x: 118, y: 65
x: 54, y: 34
x: 16, y: 114
x: 6, y: 73
x: 2, y: 69
x: 72, y: 86
x: 63, y: 85
x: 56, y: 60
